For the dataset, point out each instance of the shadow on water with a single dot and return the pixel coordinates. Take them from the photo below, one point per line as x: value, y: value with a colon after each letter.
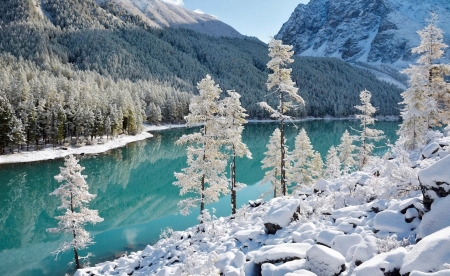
x: 135, y: 195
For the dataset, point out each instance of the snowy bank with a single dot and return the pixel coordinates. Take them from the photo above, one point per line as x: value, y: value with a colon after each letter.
x: 49, y: 152
x: 377, y: 226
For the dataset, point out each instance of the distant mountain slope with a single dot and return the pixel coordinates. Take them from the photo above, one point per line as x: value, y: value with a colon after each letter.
x: 376, y: 31
x: 109, y: 40
x: 161, y: 14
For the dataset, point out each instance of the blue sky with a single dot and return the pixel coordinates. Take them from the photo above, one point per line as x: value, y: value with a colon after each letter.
x: 260, y: 18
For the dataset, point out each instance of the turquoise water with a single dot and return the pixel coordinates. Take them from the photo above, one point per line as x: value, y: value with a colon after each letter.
x: 135, y: 195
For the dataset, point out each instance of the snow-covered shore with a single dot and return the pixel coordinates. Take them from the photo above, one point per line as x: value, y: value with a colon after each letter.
x: 49, y: 152
x: 360, y: 224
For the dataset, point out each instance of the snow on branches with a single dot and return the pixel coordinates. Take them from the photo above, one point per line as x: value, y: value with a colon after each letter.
x: 74, y: 196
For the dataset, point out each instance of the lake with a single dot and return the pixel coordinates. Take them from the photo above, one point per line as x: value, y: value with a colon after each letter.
x: 135, y: 195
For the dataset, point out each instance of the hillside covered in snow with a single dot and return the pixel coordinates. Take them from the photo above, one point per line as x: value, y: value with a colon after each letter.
x: 371, y: 222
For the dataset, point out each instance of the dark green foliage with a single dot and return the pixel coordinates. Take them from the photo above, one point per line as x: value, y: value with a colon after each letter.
x: 74, y: 35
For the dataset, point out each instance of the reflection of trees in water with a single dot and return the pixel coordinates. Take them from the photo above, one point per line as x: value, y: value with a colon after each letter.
x: 134, y: 183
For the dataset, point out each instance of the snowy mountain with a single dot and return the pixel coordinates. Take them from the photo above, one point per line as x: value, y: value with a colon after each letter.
x: 379, y: 31
x: 162, y: 14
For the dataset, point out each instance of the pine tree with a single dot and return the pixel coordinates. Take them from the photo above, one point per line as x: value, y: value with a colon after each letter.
x: 366, y: 134
x: 75, y: 197
x: 299, y: 159
x: 232, y: 127
x: 316, y: 166
x: 205, y: 174
x: 346, y: 155
x: 6, y: 117
x: 281, y: 80
x: 272, y: 160
x: 16, y: 134
x: 333, y: 165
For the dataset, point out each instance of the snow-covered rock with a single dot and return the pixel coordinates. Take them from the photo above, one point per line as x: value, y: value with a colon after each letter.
x: 282, y: 252
x: 324, y: 261
x: 365, y: 250
x: 326, y: 236
x: 435, y: 181
x: 321, y: 185
x: 280, y: 214
x: 430, y: 149
x: 301, y: 272
x: 383, y: 264
x: 431, y: 254
x: 342, y: 243
x: 439, y: 273
x: 281, y: 269
x: 390, y: 221
x: 436, y: 219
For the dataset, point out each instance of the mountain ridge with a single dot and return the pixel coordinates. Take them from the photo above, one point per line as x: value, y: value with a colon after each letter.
x: 375, y: 32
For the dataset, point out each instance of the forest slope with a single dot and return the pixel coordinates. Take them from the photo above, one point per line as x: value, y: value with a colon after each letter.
x: 106, y: 39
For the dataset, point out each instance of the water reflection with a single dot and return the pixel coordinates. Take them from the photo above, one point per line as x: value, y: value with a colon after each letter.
x: 135, y: 195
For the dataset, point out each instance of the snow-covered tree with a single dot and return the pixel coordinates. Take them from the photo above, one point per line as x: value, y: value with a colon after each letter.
x: 332, y: 163
x: 415, y: 114
x: 272, y: 161
x: 299, y: 160
x: 316, y: 166
x: 16, y: 134
x: 205, y: 174
x: 232, y: 122
x: 366, y: 134
x: 75, y: 197
x: 281, y: 80
x: 426, y: 100
x: 6, y: 115
x: 345, y: 150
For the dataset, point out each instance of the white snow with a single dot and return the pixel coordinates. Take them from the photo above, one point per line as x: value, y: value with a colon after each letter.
x: 431, y: 254
x: 49, y: 153
x: 324, y: 261
x: 438, y: 172
x: 385, y: 262
x: 436, y: 219
x: 281, y: 212
x: 277, y: 253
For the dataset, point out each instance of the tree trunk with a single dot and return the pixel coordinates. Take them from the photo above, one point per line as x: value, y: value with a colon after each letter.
x: 233, y: 183
x: 283, y: 153
x: 75, y: 252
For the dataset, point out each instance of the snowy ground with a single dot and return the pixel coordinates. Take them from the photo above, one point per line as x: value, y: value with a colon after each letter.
x: 50, y: 153
x: 368, y: 223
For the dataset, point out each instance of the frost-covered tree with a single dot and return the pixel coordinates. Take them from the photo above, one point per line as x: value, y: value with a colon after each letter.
x: 332, y: 163
x: 366, y: 134
x: 205, y: 173
x: 272, y: 161
x: 414, y: 114
x: 284, y: 88
x: 345, y: 150
x: 316, y: 166
x: 6, y: 115
x: 75, y: 197
x: 233, y: 119
x: 299, y: 159
x: 425, y: 101
x: 16, y: 134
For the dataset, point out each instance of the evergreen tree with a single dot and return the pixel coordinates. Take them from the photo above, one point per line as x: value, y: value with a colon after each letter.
x: 6, y: 117
x: 366, y: 134
x: 205, y: 174
x: 346, y: 155
x: 333, y: 165
x: 272, y: 160
x: 233, y: 121
x: 16, y: 134
x: 299, y: 159
x: 75, y: 197
x: 316, y: 166
x: 281, y: 80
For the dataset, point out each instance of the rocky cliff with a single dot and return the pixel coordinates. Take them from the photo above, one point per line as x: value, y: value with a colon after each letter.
x: 376, y: 31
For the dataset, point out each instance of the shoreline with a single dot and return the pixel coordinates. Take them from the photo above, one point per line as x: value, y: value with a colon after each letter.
x: 50, y: 153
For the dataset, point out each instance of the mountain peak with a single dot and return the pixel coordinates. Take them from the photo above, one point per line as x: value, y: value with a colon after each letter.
x: 377, y: 31
x: 161, y: 14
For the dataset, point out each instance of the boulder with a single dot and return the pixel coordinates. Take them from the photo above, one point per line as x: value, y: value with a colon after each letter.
x: 324, y: 261
x: 435, y: 181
